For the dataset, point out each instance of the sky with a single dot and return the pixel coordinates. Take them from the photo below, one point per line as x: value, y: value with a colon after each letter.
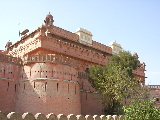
x: 135, y: 24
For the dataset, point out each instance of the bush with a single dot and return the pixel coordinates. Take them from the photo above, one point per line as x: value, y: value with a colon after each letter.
x: 142, y: 109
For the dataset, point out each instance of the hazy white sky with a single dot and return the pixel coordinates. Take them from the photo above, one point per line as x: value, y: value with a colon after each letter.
x: 135, y: 24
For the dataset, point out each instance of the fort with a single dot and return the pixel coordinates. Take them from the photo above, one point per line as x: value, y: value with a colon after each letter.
x: 46, y: 71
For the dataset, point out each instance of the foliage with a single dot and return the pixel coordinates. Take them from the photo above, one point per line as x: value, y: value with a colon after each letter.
x: 115, y: 81
x: 142, y: 109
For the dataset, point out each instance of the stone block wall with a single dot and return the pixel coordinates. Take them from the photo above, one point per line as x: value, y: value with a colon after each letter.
x: 9, y: 69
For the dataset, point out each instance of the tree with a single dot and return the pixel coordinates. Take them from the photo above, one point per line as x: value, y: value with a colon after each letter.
x: 115, y: 81
x: 142, y: 109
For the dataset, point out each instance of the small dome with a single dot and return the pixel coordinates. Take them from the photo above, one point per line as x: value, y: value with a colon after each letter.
x: 49, y: 16
x: 8, y: 44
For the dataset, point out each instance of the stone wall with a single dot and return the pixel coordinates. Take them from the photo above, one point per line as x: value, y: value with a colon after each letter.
x: 51, y: 116
x: 9, y: 69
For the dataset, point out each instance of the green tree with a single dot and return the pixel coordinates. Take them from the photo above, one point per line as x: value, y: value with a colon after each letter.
x: 142, y: 109
x: 115, y: 81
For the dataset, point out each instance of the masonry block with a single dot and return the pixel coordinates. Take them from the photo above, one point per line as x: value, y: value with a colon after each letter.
x: 51, y: 116
x: 14, y: 116
x: 89, y: 117
x: 62, y: 117
x: 80, y: 117
x: 28, y: 116
x: 3, y: 116
x: 40, y: 116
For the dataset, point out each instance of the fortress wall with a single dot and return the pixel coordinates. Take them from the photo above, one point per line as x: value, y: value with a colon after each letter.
x: 8, y: 85
x: 74, y: 37
x: 48, y: 85
x: 139, y: 71
x: 48, y: 70
x: 91, y: 104
x: 74, y: 50
x: 7, y: 95
x: 102, y: 47
x: 64, y: 33
x: 24, y: 46
x: 40, y: 95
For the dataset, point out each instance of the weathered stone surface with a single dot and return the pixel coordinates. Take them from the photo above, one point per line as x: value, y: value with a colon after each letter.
x: 51, y: 116
x: 103, y: 117
x: 40, y: 116
x: 89, y: 117
x: 14, y: 116
x: 3, y: 116
x: 28, y: 116
x: 62, y: 117
x: 80, y: 117
x: 96, y: 117
x: 71, y: 117
x: 109, y: 117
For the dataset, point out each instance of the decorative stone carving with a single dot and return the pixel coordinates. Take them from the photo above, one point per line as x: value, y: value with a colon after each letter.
x: 48, y: 20
x: 8, y: 45
x: 85, y: 36
x: 143, y: 65
x: 138, y: 62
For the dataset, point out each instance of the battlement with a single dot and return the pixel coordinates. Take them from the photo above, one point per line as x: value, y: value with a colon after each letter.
x: 102, y: 47
x: 76, y: 51
x: 52, y: 116
x: 63, y: 33
x: 80, y: 34
x: 153, y: 86
x: 51, y: 58
x: 10, y: 59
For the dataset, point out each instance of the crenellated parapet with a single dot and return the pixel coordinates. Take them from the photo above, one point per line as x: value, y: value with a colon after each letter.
x: 49, y: 58
x: 52, y: 116
x: 153, y: 86
x: 74, y: 37
x: 25, y: 47
x: 102, y: 47
x: 59, y: 40
x: 10, y: 59
x: 139, y: 71
x: 76, y: 51
x: 62, y: 33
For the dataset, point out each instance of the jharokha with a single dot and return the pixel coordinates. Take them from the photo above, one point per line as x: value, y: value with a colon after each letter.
x: 46, y: 71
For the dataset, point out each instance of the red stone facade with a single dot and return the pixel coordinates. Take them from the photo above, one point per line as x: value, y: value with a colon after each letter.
x: 45, y: 72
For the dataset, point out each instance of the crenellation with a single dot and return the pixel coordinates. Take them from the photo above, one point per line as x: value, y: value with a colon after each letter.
x: 10, y: 59
x: 52, y: 116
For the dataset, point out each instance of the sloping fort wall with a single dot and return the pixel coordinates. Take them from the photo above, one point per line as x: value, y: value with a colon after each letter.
x: 9, y: 69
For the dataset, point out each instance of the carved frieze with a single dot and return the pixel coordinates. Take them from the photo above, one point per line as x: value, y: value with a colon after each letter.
x: 10, y: 59
x: 51, y: 58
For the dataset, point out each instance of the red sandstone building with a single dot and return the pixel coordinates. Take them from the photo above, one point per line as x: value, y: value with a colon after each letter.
x: 45, y: 71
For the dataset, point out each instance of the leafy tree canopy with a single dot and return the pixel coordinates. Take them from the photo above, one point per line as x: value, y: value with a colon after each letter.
x: 116, y: 81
